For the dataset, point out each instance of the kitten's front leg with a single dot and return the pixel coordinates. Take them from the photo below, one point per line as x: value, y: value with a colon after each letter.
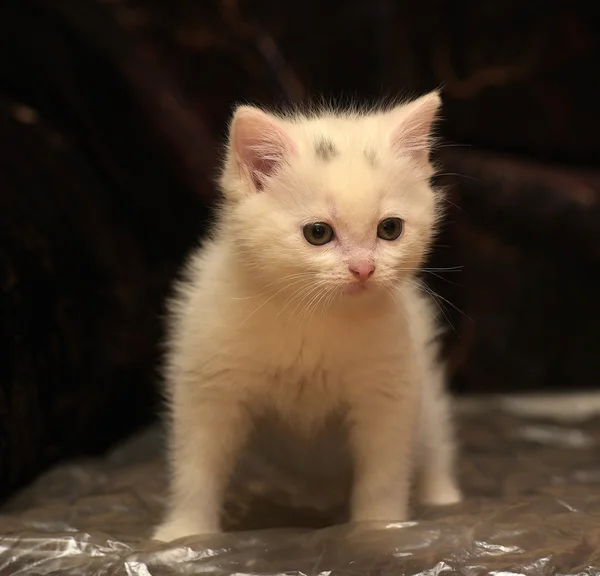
x: 382, y: 438
x: 206, y: 436
x: 437, y: 482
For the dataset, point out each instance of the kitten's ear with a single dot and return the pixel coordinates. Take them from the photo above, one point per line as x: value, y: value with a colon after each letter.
x: 259, y: 143
x: 413, y: 123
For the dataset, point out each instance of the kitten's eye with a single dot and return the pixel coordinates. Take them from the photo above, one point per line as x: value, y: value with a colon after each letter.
x: 390, y: 229
x: 318, y: 233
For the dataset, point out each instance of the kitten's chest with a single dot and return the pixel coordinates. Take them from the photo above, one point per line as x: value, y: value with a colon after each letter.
x: 303, y: 397
x: 310, y: 372
x: 306, y: 352
x: 306, y: 363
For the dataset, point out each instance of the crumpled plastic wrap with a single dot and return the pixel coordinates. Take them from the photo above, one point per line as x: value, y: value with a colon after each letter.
x: 530, y: 469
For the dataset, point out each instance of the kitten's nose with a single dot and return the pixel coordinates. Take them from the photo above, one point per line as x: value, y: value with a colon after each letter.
x: 362, y: 270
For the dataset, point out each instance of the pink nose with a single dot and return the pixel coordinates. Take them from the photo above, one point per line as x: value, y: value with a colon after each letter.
x: 362, y: 270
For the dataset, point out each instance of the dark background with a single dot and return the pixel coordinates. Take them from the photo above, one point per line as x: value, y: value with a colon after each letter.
x: 111, y: 117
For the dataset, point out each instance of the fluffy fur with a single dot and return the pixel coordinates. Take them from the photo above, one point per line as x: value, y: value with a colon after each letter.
x: 264, y: 320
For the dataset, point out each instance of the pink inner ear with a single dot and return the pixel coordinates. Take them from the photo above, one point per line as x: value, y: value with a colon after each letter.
x: 262, y: 168
x: 260, y: 144
x: 412, y: 135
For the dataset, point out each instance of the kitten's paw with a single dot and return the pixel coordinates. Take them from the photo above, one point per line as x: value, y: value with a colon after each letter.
x: 380, y: 511
x: 440, y: 493
x: 175, y: 529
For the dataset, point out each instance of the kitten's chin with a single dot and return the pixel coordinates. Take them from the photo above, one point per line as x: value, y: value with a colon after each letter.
x: 356, y: 289
x: 359, y: 292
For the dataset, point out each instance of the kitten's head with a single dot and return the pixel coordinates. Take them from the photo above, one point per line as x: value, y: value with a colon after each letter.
x: 339, y: 202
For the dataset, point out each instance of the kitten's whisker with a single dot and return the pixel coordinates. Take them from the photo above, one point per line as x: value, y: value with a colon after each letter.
x: 298, y: 293
x: 308, y: 303
x: 441, y: 278
x: 453, y: 204
x: 428, y: 270
x: 265, y: 302
x: 445, y: 269
x: 393, y: 292
x: 432, y: 292
x: 313, y: 304
x: 436, y: 298
x: 334, y: 292
x: 303, y: 306
x: 440, y: 307
x: 320, y: 300
x: 298, y: 276
x: 467, y: 176
x: 448, y: 145
x: 290, y: 277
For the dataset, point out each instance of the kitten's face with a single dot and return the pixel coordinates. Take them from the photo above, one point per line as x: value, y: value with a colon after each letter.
x: 346, y: 212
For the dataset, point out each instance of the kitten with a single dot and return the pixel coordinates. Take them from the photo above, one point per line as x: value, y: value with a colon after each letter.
x: 304, y: 302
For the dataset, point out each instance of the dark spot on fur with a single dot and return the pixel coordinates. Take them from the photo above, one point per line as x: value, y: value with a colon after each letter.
x: 371, y: 156
x: 325, y: 149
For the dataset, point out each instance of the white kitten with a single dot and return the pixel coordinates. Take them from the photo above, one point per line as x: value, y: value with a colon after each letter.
x: 304, y: 301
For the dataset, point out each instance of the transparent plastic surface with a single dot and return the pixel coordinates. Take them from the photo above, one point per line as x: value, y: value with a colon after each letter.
x: 530, y: 469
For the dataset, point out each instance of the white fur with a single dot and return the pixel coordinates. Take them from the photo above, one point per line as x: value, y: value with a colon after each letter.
x: 263, y: 319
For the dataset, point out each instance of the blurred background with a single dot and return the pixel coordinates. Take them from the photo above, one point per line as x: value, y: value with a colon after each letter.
x: 112, y: 114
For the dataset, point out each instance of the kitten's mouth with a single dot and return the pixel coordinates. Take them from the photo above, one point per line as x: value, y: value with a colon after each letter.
x: 356, y: 288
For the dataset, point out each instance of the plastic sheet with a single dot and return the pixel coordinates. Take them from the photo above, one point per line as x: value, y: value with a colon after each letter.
x: 530, y: 469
